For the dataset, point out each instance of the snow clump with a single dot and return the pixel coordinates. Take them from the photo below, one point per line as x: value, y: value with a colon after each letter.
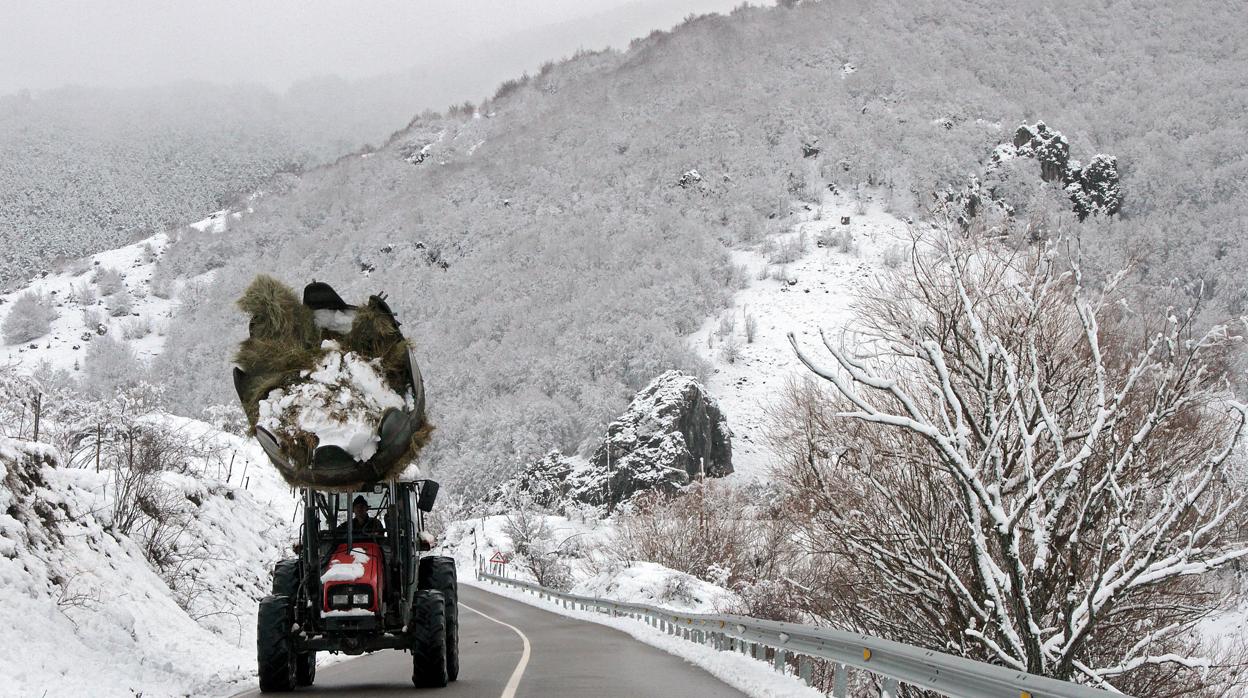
x: 340, y: 403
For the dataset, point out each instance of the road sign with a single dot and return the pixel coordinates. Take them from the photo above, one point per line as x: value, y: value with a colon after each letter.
x: 500, y: 558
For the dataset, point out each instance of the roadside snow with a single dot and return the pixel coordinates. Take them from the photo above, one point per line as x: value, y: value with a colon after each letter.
x: 587, y: 547
x: 815, y: 290
x: 748, y: 675
x: 88, y: 614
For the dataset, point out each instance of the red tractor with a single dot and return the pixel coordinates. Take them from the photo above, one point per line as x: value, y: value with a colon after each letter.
x: 360, y: 583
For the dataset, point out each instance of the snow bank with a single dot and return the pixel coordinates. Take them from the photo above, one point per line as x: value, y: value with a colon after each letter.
x: 86, y: 613
x: 750, y: 676
x: 587, y: 548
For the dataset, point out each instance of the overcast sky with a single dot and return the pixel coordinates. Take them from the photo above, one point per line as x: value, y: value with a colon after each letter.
x: 128, y: 43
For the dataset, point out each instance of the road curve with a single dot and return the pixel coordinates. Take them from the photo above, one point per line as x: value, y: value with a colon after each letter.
x: 568, y: 658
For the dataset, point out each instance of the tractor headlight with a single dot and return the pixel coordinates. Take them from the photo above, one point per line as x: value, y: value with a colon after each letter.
x: 346, y: 596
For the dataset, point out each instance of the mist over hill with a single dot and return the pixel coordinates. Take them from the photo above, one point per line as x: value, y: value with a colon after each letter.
x: 550, y: 252
x: 85, y: 169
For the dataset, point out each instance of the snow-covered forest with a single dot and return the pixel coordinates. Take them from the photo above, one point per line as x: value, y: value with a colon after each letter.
x: 565, y: 191
x: 953, y: 290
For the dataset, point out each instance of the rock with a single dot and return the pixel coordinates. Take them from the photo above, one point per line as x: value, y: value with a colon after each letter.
x: 689, y: 179
x: 671, y: 434
x: 1047, y: 146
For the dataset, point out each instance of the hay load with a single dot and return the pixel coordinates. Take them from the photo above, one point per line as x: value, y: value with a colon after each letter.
x: 330, y: 390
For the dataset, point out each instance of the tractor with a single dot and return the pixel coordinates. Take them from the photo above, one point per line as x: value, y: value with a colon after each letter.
x: 357, y: 589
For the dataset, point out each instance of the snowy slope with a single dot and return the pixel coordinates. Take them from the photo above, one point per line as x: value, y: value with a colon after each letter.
x: 586, y: 547
x: 88, y: 614
x: 814, y: 291
x: 142, y: 325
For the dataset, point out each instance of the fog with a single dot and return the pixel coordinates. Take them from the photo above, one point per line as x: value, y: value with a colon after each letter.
x: 276, y: 43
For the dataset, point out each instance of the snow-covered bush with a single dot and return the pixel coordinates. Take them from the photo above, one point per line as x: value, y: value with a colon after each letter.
x: 533, y: 542
x: 1030, y: 477
x: 120, y: 304
x: 83, y: 294
x: 110, y: 365
x: 136, y: 328
x: 30, y: 317
x: 109, y: 281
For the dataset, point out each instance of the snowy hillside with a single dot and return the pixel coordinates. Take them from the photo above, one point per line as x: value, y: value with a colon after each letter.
x: 108, y: 602
x: 117, y: 293
x: 800, y: 281
x: 584, y: 551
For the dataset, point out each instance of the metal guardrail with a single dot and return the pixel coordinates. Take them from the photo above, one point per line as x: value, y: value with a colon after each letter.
x: 895, y: 663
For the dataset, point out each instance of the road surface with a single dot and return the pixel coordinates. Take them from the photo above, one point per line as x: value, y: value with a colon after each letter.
x: 567, y: 658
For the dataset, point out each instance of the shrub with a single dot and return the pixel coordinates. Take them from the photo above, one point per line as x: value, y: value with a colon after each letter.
x: 1044, y: 555
x: 109, y: 281
x: 894, y: 256
x: 136, y: 328
x: 110, y: 365
x: 83, y: 294
x: 31, y: 317
x: 120, y: 305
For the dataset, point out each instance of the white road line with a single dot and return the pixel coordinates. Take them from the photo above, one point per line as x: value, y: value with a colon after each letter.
x: 509, y: 691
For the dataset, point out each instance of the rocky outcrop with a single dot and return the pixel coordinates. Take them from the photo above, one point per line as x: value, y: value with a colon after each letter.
x: 672, y: 433
x: 1046, y: 146
x: 1093, y: 189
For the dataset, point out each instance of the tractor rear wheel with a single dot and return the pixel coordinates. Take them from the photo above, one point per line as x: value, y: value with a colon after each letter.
x: 438, y: 572
x: 274, y: 651
x: 305, y: 669
x: 427, y: 631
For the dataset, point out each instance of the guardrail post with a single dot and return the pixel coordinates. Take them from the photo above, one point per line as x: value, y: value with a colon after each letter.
x: 781, y: 658
x: 841, y: 681
x: 804, y: 668
x: 889, y: 688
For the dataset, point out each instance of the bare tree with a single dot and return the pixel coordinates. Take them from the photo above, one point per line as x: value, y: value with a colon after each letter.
x: 1021, y: 470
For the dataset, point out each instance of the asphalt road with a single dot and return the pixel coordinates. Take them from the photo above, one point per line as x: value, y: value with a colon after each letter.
x: 567, y: 658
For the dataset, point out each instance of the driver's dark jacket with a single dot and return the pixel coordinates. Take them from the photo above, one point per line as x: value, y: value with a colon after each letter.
x: 370, y: 527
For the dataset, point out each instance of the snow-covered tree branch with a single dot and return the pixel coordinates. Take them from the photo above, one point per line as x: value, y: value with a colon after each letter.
x: 1033, y: 473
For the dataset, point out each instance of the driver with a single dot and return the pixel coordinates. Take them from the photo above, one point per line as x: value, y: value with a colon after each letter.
x: 361, y: 523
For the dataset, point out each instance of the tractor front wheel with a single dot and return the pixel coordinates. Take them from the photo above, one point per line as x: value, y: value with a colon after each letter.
x: 305, y: 669
x: 274, y: 650
x: 427, y: 631
x: 438, y: 572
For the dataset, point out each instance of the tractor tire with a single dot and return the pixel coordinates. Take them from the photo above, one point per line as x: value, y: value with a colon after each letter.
x: 305, y: 669
x: 286, y: 578
x: 438, y: 572
x: 426, y: 630
x: 274, y: 651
